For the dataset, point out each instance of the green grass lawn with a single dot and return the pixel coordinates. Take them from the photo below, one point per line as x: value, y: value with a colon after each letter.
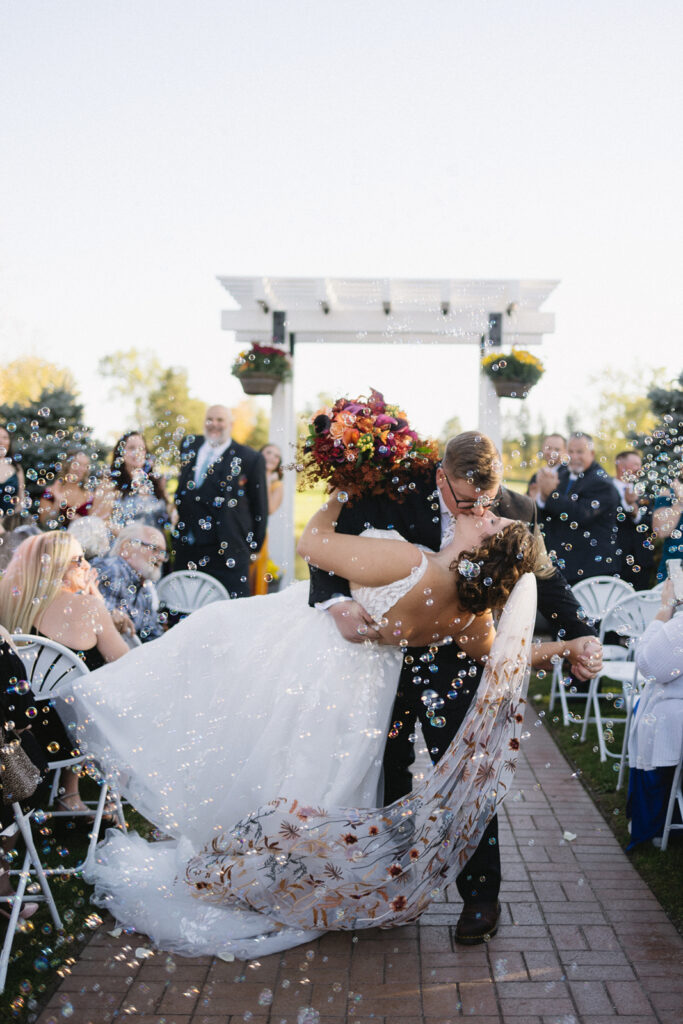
x: 661, y: 871
x: 306, y: 504
x: 40, y: 954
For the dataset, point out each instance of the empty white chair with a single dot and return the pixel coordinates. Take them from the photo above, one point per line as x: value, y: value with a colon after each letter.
x: 600, y: 593
x: 187, y: 590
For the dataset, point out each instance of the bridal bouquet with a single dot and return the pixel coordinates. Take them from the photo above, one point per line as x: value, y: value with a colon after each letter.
x: 364, y: 446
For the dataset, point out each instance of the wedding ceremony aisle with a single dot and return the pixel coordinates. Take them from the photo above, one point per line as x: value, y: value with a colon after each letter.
x: 581, y: 939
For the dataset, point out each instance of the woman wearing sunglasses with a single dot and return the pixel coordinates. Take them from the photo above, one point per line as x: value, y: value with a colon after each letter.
x: 49, y: 589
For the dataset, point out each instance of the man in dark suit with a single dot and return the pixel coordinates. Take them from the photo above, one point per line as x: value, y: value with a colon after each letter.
x: 222, y: 502
x: 634, y: 519
x: 578, y: 513
x: 554, y: 453
x: 467, y: 482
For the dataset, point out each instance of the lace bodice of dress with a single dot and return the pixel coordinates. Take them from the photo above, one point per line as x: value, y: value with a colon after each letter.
x: 378, y: 600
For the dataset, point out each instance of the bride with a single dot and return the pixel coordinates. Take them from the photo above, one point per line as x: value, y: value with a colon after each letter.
x: 260, y: 700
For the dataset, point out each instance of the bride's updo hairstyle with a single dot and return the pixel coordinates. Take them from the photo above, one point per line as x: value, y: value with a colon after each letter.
x: 485, y: 575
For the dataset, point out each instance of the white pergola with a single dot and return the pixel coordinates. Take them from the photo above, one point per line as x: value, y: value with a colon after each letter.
x: 289, y: 311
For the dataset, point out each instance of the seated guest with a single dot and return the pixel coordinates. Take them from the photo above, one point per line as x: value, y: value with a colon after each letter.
x: 554, y: 454
x: 93, y: 536
x: 133, y: 492
x: 47, y: 589
x: 656, y: 736
x: 126, y: 577
x: 634, y: 522
x: 578, y: 513
x: 11, y: 536
x: 667, y: 523
x: 50, y: 590
x: 70, y: 496
x: 11, y: 478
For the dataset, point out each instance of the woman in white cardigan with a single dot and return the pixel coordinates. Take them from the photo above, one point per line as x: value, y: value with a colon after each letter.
x: 656, y: 736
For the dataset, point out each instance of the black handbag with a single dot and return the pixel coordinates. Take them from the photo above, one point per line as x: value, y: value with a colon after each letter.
x: 19, y: 777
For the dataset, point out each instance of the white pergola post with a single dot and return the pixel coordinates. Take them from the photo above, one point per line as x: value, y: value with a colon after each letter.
x: 281, y: 525
x: 489, y: 411
x: 323, y: 310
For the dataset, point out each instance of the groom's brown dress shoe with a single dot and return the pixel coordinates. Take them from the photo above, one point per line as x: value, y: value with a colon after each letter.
x: 477, y: 923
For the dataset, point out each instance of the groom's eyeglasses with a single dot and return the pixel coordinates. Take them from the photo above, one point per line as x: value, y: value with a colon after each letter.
x: 465, y: 504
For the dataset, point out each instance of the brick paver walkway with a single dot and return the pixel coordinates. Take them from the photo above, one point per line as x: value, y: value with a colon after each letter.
x: 582, y: 939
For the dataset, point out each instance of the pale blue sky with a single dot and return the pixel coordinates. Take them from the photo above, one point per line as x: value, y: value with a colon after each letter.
x: 149, y: 146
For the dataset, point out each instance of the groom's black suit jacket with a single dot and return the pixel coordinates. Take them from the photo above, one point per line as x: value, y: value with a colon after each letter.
x: 418, y: 519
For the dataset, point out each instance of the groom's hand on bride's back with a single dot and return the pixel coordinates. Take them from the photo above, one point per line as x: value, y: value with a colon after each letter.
x: 353, y: 622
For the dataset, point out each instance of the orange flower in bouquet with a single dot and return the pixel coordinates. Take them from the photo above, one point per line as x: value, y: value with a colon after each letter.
x: 364, y: 446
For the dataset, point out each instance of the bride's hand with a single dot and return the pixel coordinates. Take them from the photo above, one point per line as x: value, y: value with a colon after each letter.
x: 353, y: 622
x: 585, y: 657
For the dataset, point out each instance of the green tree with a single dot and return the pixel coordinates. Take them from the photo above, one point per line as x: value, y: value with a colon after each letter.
x: 662, y: 447
x: 521, y: 444
x: 260, y: 432
x: 134, y: 375
x: 23, y: 380
x: 623, y: 410
x: 163, y: 408
x: 43, y: 432
x: 171, y: 412
x: 450, y: 428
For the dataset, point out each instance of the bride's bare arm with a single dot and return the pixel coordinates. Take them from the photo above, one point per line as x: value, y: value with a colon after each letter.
x: 365, y: 560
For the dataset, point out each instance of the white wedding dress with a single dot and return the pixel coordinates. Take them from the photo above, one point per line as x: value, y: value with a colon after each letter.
x: 250, y: 704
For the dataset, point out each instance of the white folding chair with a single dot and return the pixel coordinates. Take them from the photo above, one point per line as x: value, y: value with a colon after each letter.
x: 596, y: 596
x: 629, y: 619
x: 187, y: 590
x: 31, y: 866
x: 675, y: 799
x: 47, y: 665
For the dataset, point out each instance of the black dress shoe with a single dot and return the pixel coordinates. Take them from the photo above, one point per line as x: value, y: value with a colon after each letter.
x: 477, y: 923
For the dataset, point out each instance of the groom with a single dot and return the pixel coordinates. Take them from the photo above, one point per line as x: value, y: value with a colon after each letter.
x: 468, y: 481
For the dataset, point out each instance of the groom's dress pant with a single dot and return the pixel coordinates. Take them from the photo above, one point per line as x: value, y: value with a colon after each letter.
x: 455, y: 680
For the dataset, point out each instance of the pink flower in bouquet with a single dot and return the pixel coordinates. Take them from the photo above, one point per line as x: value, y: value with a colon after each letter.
x: 385, y: 421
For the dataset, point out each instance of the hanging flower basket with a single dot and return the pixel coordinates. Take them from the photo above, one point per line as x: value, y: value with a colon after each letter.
x: 513, y: 375
x: 511, y: 388
x: 260, y: 368
x: 259, y: 383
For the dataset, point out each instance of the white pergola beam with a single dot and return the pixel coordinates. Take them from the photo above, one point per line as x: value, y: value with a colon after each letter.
x: 459, y: 325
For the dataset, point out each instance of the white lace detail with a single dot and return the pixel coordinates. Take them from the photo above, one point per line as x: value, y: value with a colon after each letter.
x: 378, y: 600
